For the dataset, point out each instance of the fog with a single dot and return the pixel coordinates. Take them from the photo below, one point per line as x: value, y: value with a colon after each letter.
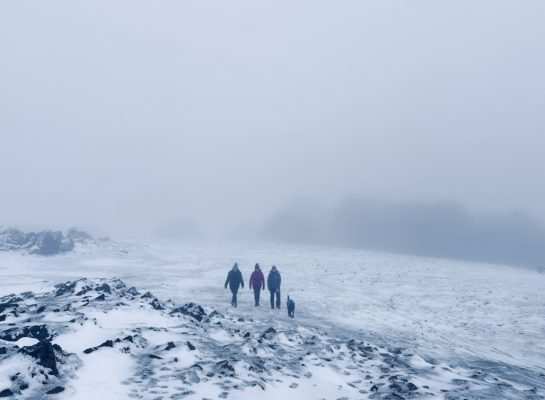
x: 439, y: 229
x: 131, y: 118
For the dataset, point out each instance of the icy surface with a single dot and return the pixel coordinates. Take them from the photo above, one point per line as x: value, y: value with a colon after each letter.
x: 368, y: 325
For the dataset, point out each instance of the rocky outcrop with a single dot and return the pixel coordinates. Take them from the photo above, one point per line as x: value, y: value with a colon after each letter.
x: 184, y: 351
x: 45, y: 243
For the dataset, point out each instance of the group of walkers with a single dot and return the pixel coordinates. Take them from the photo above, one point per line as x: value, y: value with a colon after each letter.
x: 257, y: 283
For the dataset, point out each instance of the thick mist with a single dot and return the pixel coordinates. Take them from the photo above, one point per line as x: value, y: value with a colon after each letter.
x: 202, y: 119
x: 438, y: 229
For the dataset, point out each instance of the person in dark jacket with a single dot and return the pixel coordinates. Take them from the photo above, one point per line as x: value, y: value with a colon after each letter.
x: 257, y: 282
x: 234, y: 280
x: 273, y: 283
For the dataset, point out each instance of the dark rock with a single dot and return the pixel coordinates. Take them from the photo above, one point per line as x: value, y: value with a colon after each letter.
x: 133, y: 291
x: 15, y: 300
x: 225, y: 368
x: 412, y: 387
x: 44, y: 353
x: 170, y: 346
x: 6, y: 393
x: 55, y: 390
x: 215, y: 314
x: 146, y: 295
x: 23, y: 386
x: 117, y: 283
x: 104, y: 288
x: 40, y: 310
x: 4, y: 306
x: 190, y: 346
x: 394, y: 396
x: 3, y: 350
x: 269, y: 333
x: 374, y: 388
x: 155, y: 357
x: 156, y: 304
x: 247, y: 335
x: 396, y: 387
x: 65, y: 288
x: 2, y: 317
x: 12, y: 239
x: 102, y: 297
x: 39, y: 332
x: 47, y: 243
x: 192, y: 310
x: 107, y: 343
x: 84, y: 290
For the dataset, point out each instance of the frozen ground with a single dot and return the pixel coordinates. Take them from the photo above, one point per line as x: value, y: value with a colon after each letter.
x: 454, y: 329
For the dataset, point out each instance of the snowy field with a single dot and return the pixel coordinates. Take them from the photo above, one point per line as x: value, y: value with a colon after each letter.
x: 453, y: 329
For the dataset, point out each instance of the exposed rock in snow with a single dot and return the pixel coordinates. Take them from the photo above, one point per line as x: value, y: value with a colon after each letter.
x: 130, y: 347
x: 45, y: 243
x: 192, y: 310
x: 44, y: 353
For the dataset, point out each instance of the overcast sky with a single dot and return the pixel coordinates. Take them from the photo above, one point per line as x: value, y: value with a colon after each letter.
x: 123, y: 115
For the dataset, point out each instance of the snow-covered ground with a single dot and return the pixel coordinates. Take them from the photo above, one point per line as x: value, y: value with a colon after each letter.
x: 450, y: 322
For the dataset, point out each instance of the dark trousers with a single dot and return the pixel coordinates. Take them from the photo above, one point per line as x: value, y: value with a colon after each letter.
x: 257, y: 292
x: 234, y: 299
x: 274, y: 293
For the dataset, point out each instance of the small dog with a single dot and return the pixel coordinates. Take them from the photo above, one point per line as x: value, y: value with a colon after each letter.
x: 291, y: 307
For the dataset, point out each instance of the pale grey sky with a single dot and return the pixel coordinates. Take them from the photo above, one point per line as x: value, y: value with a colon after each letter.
x: 123, y: 115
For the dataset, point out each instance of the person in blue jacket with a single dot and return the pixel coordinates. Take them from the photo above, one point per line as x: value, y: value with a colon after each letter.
x: 234, y: 280
x: 273, y: 284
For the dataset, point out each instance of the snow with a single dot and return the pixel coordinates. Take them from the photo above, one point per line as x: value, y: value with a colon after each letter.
x: 452, y: 316
x: 26, y: 341
x: 101, y: 377
x: 87, y: 335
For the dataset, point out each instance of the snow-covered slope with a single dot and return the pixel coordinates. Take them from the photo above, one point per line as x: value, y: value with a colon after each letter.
x: 368, y: 325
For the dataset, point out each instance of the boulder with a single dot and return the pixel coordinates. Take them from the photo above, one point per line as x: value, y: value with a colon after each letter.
x: 269, y: 333
x: 156, y: 304
x: 55, y: 390
x: 39, y: 332
x: 225, y: 368
x: 47, y: 243
x: 192, y: 310
x: 44, y: 353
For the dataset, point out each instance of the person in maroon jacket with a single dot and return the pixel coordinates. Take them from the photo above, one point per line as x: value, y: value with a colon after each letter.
x: 257, y: 282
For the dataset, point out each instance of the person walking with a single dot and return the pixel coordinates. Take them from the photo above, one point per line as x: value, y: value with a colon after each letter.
x: 234, y: 280
x: 273, y: 283
x: 257, y: 282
